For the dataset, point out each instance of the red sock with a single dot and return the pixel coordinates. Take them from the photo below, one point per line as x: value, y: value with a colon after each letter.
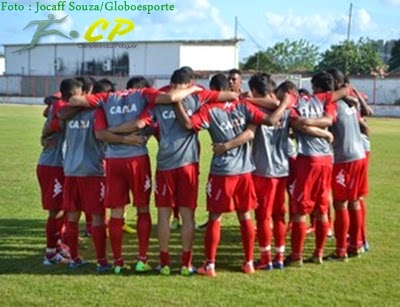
x: 279, y: 229
x: 71, y: 235
x: 116, y: 234
x: 99, y: 239
x: 264, y: 233
x: 164, y: 258
x: 341, y: 226
x: 88, y: 226
x: 211, y: 239
x: 266, y: 257
x: 143, y: 229
x: 186, y: 259
x: 52, y: 232
x: 364, y: 219
x: 299, y: 230
x: 355, y: 229
x: 321, y: 233
x: 248, y: 236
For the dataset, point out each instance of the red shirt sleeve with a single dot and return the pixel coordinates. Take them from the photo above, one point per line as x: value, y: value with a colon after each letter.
x: 95, y: 99
x: 207, y: 96
x: 256, y: 115
x: 55, y: 121
x: 330, y: 106
x: 55, y: 125
x: 150, y: 94
x: 100, y: 120
x: 165, y: 88
x: 201, y: 119
x: 147, y: 115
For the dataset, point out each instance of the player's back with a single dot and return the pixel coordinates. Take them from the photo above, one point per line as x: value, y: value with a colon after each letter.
x: 52, y: 155
x: 177, y: 145
x: 270, y: 148
x: 121, y: 107
x: 311, y: 145
x: 226, y: 121
x: 348, y: 144
x: 84, y: 154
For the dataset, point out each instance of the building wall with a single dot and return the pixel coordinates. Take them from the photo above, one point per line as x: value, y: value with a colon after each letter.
x: 154, y: 59
x: 2, y: 65
x: 146, y: 58
x: 16, y: 63
x: 209, y: 57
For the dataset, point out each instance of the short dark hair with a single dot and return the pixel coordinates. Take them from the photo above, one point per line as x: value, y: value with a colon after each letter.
x: 323, y: 81
x: 87, y: 83
x: 219, y: 82
x: 337, y: 75
x: 103, y: 86
x: 189, y: 70
x: 180, y: 76
x: 235, y: 71
x: 285, y: 87
x: 67, y: 86
x: 137, y: 82
x: 262, y: 83
x: 303, y: 91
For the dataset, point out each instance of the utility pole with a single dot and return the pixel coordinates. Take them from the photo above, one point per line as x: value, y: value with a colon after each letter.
x: 346, y: 63
x: 349, y: 23
x: 236, y: 28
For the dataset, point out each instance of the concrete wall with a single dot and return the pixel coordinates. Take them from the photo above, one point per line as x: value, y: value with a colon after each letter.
x: 2, y: 65
x: 386, y: 110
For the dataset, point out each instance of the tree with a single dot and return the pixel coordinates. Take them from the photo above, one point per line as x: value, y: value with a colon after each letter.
x: 394, y: 61
x: 285, y: 57
x: 351, y: 57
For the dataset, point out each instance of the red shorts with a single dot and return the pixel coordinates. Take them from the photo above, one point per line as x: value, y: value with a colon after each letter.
x: 51, y: 181
x: 364, y: 189
x: 84, y: 194
x: 348, y: 180
x: 125, y: 175
x: 270, y: 194
x: 312, y: 186
x: 230, y: 193
x: 177, y: 187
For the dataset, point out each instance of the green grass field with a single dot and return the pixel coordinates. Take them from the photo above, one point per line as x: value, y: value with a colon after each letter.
x: 372, y: 280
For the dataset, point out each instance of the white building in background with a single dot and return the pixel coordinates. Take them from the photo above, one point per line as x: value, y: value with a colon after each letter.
x: 2, y: 64
x: 149, y: 58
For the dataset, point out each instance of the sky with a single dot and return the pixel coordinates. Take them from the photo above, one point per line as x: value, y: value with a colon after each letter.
x: 261, y: 23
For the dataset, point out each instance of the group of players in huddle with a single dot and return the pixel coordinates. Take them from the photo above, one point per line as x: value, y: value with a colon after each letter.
x: 95, y: 157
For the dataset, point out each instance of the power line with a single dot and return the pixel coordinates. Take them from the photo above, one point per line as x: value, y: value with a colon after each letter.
x: 250, y: 36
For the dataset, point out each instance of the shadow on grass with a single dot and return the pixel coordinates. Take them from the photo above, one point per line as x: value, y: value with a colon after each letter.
x: 22, y: 246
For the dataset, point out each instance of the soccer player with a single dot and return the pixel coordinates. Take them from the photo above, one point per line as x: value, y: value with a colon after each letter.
x: 349, y: 172
x: 50, y: 174
x: 84, y: 186
x: 312, y: 185
x: 364, y: 111
x: 175, y: 223
x: 270, y: 155
x: 230, y: 187
x: 235, y: 80
x: 127, y: 168
x: 177, y: 167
